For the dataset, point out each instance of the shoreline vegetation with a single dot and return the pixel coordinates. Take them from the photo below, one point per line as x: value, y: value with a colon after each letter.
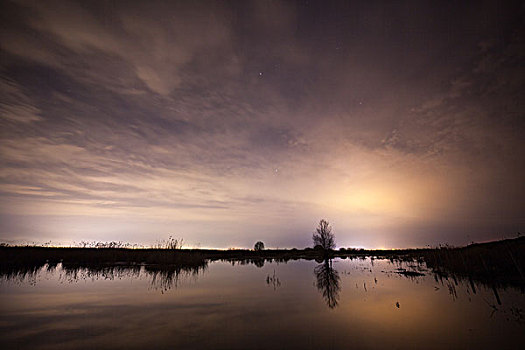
x: 496, y: 264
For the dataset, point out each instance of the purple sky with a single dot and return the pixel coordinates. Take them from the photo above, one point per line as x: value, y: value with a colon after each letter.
x: 230, y: 122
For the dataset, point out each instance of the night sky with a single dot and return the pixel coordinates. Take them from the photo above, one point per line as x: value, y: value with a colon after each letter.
x: 401, y: 123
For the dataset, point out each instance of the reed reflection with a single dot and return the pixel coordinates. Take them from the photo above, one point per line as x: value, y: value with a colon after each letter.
x: 165, y: 278
x: 327, y: 282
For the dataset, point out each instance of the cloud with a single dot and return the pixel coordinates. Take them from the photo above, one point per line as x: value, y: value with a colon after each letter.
x: 16, y: 106
x: 155, y: 45
x: 232, y: 121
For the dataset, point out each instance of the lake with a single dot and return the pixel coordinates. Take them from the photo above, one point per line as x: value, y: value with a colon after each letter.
x: 342, y: 303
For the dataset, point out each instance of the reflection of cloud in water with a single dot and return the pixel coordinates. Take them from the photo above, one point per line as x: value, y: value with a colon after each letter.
x: 327, y: 282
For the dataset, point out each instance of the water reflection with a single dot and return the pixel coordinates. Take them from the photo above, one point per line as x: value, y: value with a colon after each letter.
x: 165, y: 278
x: 98, y: 272
x: 162, y: 277
x: 237, y: 304
x: 327, y: 282
x: 273, y: 280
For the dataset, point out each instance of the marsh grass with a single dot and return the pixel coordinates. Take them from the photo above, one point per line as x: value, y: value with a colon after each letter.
x: 496, y: 264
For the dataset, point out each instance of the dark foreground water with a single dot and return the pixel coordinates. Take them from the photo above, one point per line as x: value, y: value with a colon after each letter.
x: 362, y: 304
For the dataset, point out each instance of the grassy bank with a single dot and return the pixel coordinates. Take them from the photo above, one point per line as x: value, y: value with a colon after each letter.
x: 498, y: 263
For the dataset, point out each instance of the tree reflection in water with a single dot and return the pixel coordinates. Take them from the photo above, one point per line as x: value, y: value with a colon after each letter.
x: 327, y: 282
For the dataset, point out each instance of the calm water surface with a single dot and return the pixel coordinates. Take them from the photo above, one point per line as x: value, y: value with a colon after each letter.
x: 363, y: 304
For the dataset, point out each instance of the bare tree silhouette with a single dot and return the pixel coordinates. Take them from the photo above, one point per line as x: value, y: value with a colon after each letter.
x: 327, y: 282
x: 323, y: 236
